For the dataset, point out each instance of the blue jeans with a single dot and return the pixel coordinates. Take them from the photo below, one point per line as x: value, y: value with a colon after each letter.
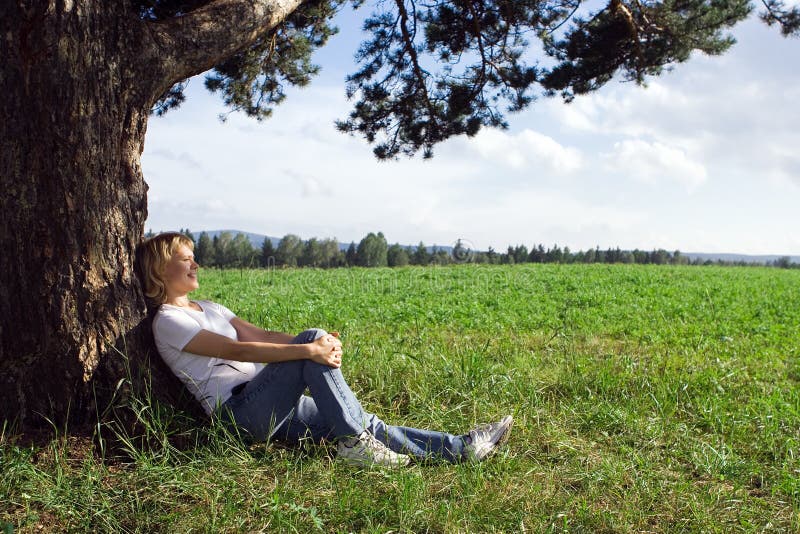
x: 272, y: 405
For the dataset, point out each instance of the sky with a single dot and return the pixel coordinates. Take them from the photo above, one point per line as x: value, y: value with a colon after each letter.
x: 703, y: 159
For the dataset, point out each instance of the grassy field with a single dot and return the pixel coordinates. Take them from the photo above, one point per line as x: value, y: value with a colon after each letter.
x: 646, y: 399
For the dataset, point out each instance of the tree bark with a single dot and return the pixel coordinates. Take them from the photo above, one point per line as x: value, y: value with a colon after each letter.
x: 78, y: 80
x: 74, y: 204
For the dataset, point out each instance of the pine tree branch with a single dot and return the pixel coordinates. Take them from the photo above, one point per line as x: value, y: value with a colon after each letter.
x: 788, y: 20
x: 408, y: 44
x: 189, y: 44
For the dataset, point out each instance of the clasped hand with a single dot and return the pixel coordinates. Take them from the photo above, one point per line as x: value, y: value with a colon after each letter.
x: 328, y: 350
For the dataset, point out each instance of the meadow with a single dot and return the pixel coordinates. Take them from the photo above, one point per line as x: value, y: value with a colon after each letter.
x: 646, y: 399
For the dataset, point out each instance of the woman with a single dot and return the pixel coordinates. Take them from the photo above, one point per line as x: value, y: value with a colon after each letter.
x: 222, y: 360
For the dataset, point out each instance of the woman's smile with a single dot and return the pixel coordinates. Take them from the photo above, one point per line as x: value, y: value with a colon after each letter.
x: 180, y: 273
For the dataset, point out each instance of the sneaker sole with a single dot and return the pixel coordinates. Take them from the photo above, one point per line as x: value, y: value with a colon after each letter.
x: 503, y: 437
x: 500, y: 441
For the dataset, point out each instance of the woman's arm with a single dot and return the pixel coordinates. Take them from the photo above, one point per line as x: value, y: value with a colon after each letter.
x: 326, y: 350
x: 249, y: 332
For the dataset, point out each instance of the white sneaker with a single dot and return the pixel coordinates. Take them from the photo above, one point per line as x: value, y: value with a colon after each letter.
x: 366, y: 450
x: 483, y: 440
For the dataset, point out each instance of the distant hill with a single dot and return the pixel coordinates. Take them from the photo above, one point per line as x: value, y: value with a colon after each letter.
x: 258, y: 239
x: 255, y: 239
x: 765, y: 258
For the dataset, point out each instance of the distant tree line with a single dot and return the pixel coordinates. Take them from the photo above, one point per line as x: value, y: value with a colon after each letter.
x: 226, y: 250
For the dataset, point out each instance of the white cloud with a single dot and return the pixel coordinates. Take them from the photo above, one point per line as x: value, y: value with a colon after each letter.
x: 193, y: 212
x: 784, y: 168
x: 541, y: 215
x: 654, y: 162
x: 184, y: 158
x: 310, y: 186
x: 527, y: 149
x: 625, y: 109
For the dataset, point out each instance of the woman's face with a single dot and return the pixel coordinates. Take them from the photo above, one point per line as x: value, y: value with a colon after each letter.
x: 180, y: 273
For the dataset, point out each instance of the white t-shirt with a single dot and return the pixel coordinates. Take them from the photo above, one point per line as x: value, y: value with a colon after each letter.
x: 209, y: 379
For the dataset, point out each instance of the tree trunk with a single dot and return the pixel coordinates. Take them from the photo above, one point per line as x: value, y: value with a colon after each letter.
x: 78, y: 79
x: 73, y: 204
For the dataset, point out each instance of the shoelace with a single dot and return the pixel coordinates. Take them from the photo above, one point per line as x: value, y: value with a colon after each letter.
x: 377, y: 445
x: 483, y: 431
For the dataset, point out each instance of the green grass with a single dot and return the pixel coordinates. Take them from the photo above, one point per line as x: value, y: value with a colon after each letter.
x: 646, y: 399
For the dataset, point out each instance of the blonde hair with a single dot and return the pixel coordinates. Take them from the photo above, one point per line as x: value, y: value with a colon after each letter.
x: 154, y: 253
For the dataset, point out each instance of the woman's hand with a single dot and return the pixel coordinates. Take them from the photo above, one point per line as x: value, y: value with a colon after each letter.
x: 327, y: 350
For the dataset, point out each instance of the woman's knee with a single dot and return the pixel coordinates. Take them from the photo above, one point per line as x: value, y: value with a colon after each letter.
x: 308, y: 336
